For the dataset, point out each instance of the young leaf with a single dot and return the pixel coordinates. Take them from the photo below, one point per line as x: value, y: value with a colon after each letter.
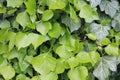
x: 83, y: 57
x: 31, y: 6
x: 23, y: 19
x: 44, y: 63
x: 112, y: 49
x: 55, y: 31
x: 91, y: 36
x: 78, y: 73
x: 88, y: 13
x: 49, y: 76
x: 8, y: 72
x: 94, y: 3
x: 102, y: 70
x: 47, y: 15
x: 14, y: 3
x: 43, y: 27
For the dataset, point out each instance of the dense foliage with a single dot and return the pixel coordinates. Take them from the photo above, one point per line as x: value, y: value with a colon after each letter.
x: 59, y: 39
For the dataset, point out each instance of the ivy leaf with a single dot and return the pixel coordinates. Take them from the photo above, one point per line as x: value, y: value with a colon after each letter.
x: 110, y: 7
x: 71, y: 23
x: 22, y: 40
x: 88, y: 13
x: 78, y: 73
x: 43, y: 27
x: 57, y: 4
x: 116, y: 22
x: 23, y: 19
x: 31, y: 6
x: 100, y: 31
x: 91, y: 36
x: 50, y: 76
x: 44, y: 63
x: 112, y: 49
x: 73, y: 14
x: 83, y: 57
x: 14, y: 3
x: 55, y: 31
x: 94, y: 3
x: 102, y: 70
x: 47, y: 15
x: 22, y: 77
x: 8, y: 72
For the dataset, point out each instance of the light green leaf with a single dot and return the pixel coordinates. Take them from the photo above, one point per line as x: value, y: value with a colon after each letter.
x: 22, y: 40
x: 3, y: 48
x: 49, y: 76
x: 110, y: 7
x: 79, y: 73
x: 105, y: 41
x: 8, y: 72
x: 60, y: 66
x: 95, y: 57
x: 88, y: 13
x: 31, y: 6
x: 102, y: 70
x: 55, y: 31
x: 4, y: 24
x: 73, y: 14
x: 94, y: 3
x: 23, y: 19
x: 63, y: 52
x: 112, y: 49
x: 43, y: 27
x: 3, y: 9
x: 72, y: 62
x: 91, y: 36
x: 71, y: 23
x: 22, y: 77
x: 83, y: 57
x: 36, y: 39
x: 47, y: 15
x: 14, y: 3
x: 100, y: 31
x: 57, y: 4
x: 44, y: 63
x: 79, y: 4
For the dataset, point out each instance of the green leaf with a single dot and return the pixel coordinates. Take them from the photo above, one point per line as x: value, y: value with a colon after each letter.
x: 14, y: 3
x: 91, y: 36
x: 3, y: 9
x: 63, y: 52
x: 44, y: 63
x: 37, y: 40
x: 110, y: 7
x: 78, y: 73
x: 49, y: 76
x: 57, y: 4
x: 105, y: 41
x: 60, y: 66
x: 55, y: 31
x: 47, y: 15
x: 73, y: 14
x: 43, y: 27
x: 94, y: 3
x: 102, y: 70
x: 72, y: 62
x: 100, y: 31
x: 8, y: 72
x: 83, y: 57
x: 22, y: 77
x: 71, y: 23
x: 3, y: 48
x: 112, y: 49
x: 23, y: 19
x: 95, y: 56
x: 4, y: 24
x: 3, y: 35
x: 79, y: 4
x: 31, y: 6
x: 88, y: 13
x: 22, y: 40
